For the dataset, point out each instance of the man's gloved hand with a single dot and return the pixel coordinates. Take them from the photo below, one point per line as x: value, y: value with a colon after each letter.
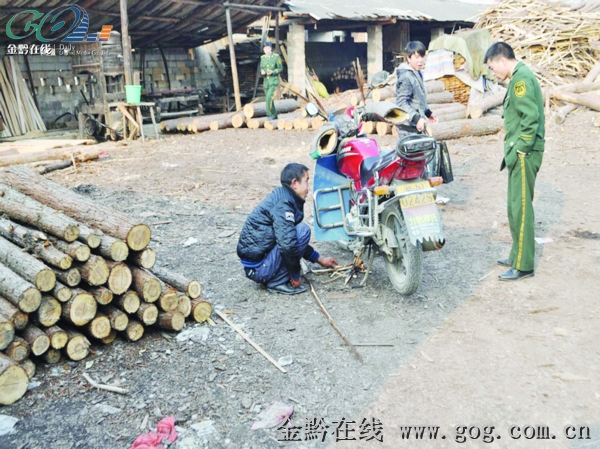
x: 327, y: 262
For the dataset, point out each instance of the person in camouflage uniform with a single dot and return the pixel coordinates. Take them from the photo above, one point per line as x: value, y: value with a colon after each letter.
x: 270, y: 68
x: 523, y: 152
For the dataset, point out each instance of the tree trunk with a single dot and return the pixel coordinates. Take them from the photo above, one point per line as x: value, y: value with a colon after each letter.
x: 24, y: 209
x: 446, y: 117
x: 110, y: 338
x: 146, y: 284
x: 440, y: 97
x: 118, y: 319
x: 58, y: 337
x: 173, y: 321
x: 588, y: 101
x: 119, y: 279
x: 128, y: 302
x: 71, y: 277
x: 467, y: 127
x: 147, y: 313
x: 562, y: 113
x: 113, y: 249
x: 256, y: 123
x: 83, y: 154
x: 270, y: 125
x: 134, y: 330
x: 383, y: 93
x: 26, y: 266
x: 51, y: 356
x: 184, y: 304
x: 35, y: 241
x: 111, y: 221
x: 201, y: 310
x: 18, y: 291
x: 316, y: 123
x: 383, y: 128
x: 102, y: 295
x: 38, y: 341
x: 18, y: 349
x: 253, y: 110
x: 61, y: 292
x: 95, y: 271
x: 447, y: 108
x: 77, y: 250
x: 145, y: 259
x: 18, y: 318
x: 99, y: 327
x: 191, y: 287
x: 477, y: 108
x: 238, y: 120
x: 578, y: 88
x: 368, y: 127
x: 29, y: 367
x: 168, y: 301
x: 80, y: 309
x: 88, y: 236
x: 13, y: 381
x: 48, y: 313
x: 78, y: 346
x: 7, y: 332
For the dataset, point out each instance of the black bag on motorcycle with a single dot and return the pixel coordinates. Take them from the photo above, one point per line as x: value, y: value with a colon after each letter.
x: 440, y: 164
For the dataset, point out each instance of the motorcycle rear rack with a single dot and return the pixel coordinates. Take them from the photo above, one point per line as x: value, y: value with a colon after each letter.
x: 364, y: 232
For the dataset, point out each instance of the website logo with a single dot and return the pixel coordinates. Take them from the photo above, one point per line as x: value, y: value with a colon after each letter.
x: 67, y: 24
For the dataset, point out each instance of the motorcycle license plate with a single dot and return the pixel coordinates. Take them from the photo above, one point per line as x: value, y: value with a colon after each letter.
x: 411, y: 187
x: 416, y: 200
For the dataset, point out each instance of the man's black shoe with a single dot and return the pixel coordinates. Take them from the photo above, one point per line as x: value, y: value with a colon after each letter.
x: 515, y: 275
x: 505, y: 262
x: 287, y: 289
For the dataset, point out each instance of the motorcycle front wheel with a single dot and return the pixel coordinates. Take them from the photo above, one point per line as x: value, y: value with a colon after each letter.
x: 404, y: 266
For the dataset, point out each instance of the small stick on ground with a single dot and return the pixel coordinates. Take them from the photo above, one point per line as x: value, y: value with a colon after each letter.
x: 95, y: 384
x: 335, y: 326
x: 249, y: 340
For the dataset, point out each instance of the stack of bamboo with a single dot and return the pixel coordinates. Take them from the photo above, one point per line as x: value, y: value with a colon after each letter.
x: 17, y: 109
x: 74, y: 271
x: 554, y: 38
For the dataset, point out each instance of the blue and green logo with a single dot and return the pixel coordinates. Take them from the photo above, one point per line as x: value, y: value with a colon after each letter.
x: 67, y: 24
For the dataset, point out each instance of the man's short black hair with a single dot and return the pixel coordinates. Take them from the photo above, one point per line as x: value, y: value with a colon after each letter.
x: 498, y: 50
x: 292, y: 171
x: 415, y: 47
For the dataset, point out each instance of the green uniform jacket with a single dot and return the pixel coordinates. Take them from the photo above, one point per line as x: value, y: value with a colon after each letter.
x: 271, y: 62
x: 523, y: 115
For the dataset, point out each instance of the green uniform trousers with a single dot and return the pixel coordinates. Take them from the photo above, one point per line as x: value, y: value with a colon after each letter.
x: 270, y: 85
x: 521, y: 183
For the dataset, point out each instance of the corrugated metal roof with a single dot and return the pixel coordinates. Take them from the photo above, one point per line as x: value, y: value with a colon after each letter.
x: 182, y: 23
x: 438, y: 10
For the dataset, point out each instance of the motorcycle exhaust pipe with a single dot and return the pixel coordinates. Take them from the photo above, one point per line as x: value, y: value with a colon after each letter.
x: 430, y: 245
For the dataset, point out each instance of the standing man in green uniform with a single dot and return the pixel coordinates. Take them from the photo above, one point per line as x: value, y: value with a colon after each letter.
x: 523, y: 152
x: 270, y: 68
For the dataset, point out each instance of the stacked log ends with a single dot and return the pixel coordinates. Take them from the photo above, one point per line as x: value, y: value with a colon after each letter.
x: 51, y: 356
x: 78, y: 346
x: 13, y: 381
x: 110, y: 338
x: 184, y: 304
x: 58, y: 337
x: 48, y: 313
x: 80, y: 309
x: 169, y: 300
x: 113, y: 249
x: 201, y: 310
x: 95, y: 271
x: 38, y: 341
x: 129, y: 302
x: 191, y: 287
x: 146, y: 284
x: 18, y: 349
x: 173, y: 320
x: 147, y: 313
x: 18, y: 291
x: 134, y: 330
x: 99, y: 327
x: 118, y: 319
x: 16, y: 317
x: 7, y: 333
x: 144, y: 259
x: 71, y: 277
x: 102, y: 295
x: 29, y: 368
x: 119, y: 278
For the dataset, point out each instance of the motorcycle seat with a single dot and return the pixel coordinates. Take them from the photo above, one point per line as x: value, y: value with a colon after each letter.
x: 375, y: 163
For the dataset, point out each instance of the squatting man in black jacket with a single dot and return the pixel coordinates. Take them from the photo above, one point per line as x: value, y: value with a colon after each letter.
x: 274, y: 238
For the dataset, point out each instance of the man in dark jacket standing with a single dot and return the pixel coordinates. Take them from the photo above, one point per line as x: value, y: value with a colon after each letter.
x: 523, y: 153
x: 411, y: 92
x: 274, y: 239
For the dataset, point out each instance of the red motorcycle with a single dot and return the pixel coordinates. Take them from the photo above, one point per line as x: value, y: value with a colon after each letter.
x: 373, y: 199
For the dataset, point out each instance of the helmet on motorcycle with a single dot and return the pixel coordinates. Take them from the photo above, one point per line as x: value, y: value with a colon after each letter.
x: 416, y: 147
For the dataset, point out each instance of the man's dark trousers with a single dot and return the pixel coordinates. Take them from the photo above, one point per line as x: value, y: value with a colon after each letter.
x: 272, y: 271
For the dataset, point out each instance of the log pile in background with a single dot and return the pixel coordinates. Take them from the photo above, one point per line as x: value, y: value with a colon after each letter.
x: 65, y: 284
x: 553, y: 38
x: 18, y: 112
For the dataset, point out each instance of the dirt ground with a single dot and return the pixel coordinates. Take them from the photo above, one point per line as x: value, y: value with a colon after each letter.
x: 465, y: 350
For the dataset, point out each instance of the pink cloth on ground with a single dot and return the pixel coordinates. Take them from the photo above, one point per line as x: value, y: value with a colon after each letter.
x: 165, y: 429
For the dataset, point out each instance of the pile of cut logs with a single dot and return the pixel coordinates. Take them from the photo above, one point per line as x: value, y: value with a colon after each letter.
x: 72, y: 272
x: 585, y: 93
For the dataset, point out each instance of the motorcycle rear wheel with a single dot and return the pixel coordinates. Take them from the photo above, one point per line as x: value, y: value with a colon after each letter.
x: 404, y: 268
